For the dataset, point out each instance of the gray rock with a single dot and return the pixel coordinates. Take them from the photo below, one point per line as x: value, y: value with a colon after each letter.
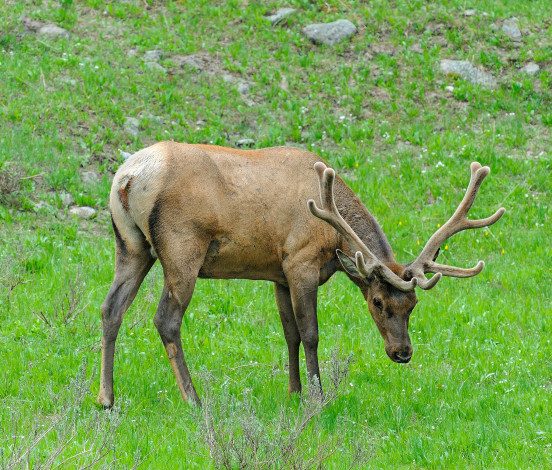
x: 531, y: 68
x: 46, y: 29
x: 416, y: 48
x: 40, y: 205
x: 470, y: 12
x: 245, y: 142
x: 228, y: 78
x: 84, y: 212
x: 155, y: 66
x: 280, y: 15
x: 511, y: 29
x: 330, y: 33
x: 124, y: 154
x: 90, y: 176
x: 132, y: 126
x: 243, y: 88
x: 200, y: 62
x: 152, y: 118
x: 153, y: 55
x: 67, y: 199
x: 467, y: 71
x: 54, y: 31
x: 205, y: 64
x: 68, y: 81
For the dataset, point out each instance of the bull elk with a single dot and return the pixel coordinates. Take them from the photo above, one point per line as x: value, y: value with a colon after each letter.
x: 213, y: 212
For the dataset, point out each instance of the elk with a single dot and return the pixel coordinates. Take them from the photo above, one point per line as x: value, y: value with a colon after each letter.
x: 212, y: 212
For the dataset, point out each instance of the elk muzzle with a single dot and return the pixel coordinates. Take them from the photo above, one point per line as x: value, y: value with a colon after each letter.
x: 400, y: 353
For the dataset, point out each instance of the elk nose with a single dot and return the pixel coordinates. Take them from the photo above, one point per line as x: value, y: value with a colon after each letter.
x: 402, y: 357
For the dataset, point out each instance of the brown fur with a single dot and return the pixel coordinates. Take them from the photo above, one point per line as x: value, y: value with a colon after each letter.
x: 215, y: 212
x: 123, y: 192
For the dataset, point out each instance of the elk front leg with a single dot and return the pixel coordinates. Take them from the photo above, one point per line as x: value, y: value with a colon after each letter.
x: 130, y: 270
x: 303, y: 287
x: 291, y: 333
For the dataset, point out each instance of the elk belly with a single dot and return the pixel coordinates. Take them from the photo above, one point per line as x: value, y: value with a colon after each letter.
x: 229, y: 259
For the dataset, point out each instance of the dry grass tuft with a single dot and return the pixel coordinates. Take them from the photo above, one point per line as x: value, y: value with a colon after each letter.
x: 236, y: 437
x: 70, y: 437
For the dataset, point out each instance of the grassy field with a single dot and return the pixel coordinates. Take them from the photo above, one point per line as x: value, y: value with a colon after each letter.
x: 477, y: 393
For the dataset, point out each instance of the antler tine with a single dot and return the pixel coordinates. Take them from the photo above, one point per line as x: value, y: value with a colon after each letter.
x: 453, y: 271
x: 330, y: 214
x: 457, y: 223
x: 383, y: 272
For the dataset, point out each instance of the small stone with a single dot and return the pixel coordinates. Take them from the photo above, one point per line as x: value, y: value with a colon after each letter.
x: 531, y: 68
x: 46, y: 29
x: 511, y: 29
x: 131, y: 52
x: 382, y: 48
x: 84, y: 212
x: 90, y: 176
x: 155, y: 66
x: 124, y: 155
x: 67, y: 199
x: 449, y: 88
x: 153, y: 55
x: 280, y: 15
x: 54, y: 31
x: 152, y: 118
x: 470, y: 12
x: 243, y: 88
x: 228, y: 78
x: 199, y: 62
x: 132, y: 126
x: 330, y: 33
x: 493, y: 26
x: 467, y: 71
x: 245, y: 142
x: 68, y: 81
x: 40, y: 205
x: 417, y: 48
x: 430, y: 198
x: 284, y: 85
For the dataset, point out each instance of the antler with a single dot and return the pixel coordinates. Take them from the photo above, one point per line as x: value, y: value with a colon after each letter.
x: 424, y: 262
x: 329, y: 213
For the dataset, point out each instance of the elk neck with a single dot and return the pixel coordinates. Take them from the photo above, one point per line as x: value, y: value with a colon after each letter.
x: 363, y: 223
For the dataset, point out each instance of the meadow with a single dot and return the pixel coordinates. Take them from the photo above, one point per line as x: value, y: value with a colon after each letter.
x: 478, y: 391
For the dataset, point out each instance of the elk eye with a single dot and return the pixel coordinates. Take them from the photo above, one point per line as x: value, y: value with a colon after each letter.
x: 377, y: 303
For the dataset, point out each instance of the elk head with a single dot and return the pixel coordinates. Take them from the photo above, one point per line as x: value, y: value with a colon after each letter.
x: 388, y: 287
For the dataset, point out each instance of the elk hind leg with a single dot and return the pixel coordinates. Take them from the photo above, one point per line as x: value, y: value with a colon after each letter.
x: 131, y: 267
x: 180, y: 278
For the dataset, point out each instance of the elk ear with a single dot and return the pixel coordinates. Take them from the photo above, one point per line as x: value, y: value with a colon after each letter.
x: 349, y: 265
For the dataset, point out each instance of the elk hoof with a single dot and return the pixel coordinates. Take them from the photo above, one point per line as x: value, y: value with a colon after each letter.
x: 104, y: 401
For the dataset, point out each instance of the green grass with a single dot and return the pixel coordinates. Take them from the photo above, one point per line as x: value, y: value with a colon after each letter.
x: 477, y: 392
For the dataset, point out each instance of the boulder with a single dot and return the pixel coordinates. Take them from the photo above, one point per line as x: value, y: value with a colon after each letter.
x: 330, y: 33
